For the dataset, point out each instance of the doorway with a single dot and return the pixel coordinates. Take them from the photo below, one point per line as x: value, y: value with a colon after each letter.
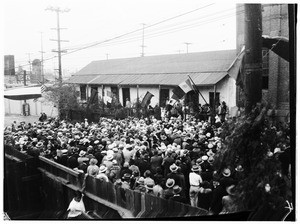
x: 126, y: 95
x: 164, y: 96
x: 212, y: 101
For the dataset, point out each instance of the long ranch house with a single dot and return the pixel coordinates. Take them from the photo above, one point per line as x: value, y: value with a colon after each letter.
x: 132, y: 77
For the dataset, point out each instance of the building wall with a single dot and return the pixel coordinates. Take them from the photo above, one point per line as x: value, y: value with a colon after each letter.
x: 274, y: 23
x: 36, y: 107
x: 226, y: 88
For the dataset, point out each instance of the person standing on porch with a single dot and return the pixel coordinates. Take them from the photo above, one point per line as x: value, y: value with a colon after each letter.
x: 128, y: 107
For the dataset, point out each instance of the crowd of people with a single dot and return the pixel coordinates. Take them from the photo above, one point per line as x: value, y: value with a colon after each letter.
x: 172, y: 158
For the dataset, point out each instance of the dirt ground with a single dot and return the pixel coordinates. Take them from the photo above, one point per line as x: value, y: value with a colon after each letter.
x: 8, y: 119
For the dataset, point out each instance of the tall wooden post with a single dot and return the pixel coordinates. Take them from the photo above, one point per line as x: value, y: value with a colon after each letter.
x: 253, y: 57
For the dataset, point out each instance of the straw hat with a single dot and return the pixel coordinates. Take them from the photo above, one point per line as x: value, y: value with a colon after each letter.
x: 195, y: 168
x: 102, y: 169
x: 199, y: 161
x: 82, y: 153
x: 170, y: 183
x: 239, y: 168
x: 204, y: 158
x: 109, y: 157
x: 231, y: 190
x: 210, y: 153
x: 226, y: 172
x: 141, y: 181
x: 149, y: 186
x: 173, y: 168
x: 210, y: 159
x: 176, y: 189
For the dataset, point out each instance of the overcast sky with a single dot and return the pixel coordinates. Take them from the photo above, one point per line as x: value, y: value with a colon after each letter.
x: 169, y: 24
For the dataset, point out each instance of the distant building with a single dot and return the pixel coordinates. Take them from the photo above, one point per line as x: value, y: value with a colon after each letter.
x: 9, y: 69
x: 275, y: 75
x: 9, y: 65
x: 36, y: 74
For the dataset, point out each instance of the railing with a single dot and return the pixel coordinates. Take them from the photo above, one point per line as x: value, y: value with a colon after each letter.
x: 127, y: 203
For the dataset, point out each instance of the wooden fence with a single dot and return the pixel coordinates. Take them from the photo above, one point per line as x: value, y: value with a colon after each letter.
x: 128, y: 203
x: 21, y: 185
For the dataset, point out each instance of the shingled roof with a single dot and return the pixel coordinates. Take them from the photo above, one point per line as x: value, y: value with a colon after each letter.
x: 205, y: 68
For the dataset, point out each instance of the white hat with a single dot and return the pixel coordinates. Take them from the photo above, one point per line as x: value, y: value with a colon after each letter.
x: 102, y: 169
x: 82, y: 153
x: 109, y: 157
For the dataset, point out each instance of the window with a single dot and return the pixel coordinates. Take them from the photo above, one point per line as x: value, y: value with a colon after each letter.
x: 83, y: 92
x: 265, y: 68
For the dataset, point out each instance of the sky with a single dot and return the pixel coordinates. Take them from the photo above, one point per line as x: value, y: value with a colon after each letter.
x: 170, y: 27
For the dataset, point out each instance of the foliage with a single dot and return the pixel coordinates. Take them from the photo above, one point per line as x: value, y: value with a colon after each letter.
x: 64, y: 97
x: 248, y: 142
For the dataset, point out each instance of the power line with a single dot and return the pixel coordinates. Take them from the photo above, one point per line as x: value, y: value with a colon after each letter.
x: 114, y: 41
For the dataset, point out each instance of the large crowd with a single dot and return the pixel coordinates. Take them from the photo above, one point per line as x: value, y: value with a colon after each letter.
x: 172, y: 158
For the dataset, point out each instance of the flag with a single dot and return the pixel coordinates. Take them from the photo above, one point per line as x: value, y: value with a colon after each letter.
x: 186, y: 86
x: 146, y: 99
x: 108, y: 97
x: 182, y: 89
x: 173, y: 100
x: 109, y: 93
x: 43, y: 88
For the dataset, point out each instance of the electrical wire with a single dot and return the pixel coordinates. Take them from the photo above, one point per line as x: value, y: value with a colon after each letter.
x: 114, y: 40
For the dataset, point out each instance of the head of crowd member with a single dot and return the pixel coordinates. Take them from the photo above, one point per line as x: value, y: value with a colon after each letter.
x: 196, y: 169
x: 173, y: 168
x: 170, y: 183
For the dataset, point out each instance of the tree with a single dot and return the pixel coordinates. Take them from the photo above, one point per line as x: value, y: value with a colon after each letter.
x: 64, y: 97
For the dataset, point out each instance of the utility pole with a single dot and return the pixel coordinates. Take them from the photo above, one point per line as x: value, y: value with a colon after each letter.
x: 143, y: 39
x: 59, y: 51
x: 29, y: 61
x: 187, y: 46
x: 42, y: 59
x: 253, y: 56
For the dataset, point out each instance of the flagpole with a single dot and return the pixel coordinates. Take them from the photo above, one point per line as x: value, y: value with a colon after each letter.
x: 197, y: 89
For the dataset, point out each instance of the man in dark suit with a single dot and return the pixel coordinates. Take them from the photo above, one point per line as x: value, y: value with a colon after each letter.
x: 177, y: 197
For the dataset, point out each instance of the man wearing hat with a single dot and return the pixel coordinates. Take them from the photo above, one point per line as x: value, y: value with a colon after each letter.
x: 149, y: 188
x: 155, y: 161
x: 102, y: 173
x: 126, y: 181
x: 174, y: 175
x: 139, y: 185
x: 231, y: 202
x: 195, y: 180
x: 116, y: 169
x: 168, y: 192
x: 176, y: 195
x: 108, y: 161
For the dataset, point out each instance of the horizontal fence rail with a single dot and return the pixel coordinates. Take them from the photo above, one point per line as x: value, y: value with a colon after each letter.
x: 126, y: 202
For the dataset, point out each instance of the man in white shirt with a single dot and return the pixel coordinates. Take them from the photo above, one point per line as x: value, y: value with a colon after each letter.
x: 195, y: 181
x: 76, y: 206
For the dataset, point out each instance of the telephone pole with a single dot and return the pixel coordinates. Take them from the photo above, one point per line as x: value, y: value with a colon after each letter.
x: 253, y: 56
x: 29, y: 61
x: 143, y: 39
x: 59, y: 51
x: 42, y: 59
x: 187, y: 46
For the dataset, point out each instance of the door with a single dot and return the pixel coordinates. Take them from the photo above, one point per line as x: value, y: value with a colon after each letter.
x: 126, y: 95
x: 115, y: 93
x: 94, y: 95
x: 164, y: 96
x: 212, y: 101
